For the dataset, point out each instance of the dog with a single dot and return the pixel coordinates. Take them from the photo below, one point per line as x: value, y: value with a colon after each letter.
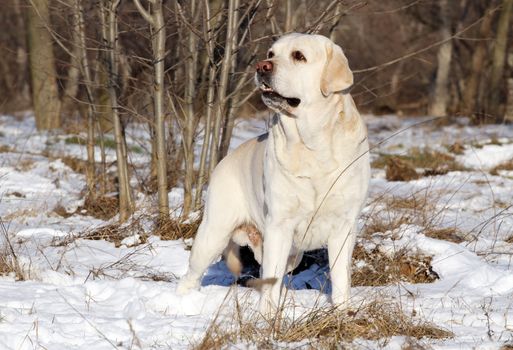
x: 299, y: 187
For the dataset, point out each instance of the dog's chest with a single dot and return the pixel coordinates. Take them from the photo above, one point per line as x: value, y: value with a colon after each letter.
x: 316, y: 220
x: 314, y: 209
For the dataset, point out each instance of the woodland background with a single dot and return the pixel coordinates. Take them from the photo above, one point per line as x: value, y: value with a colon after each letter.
x: 184, y: 71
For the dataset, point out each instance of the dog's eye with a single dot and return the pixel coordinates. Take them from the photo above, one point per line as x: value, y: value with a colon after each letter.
x: 270, y: 54
x: 298, y: 56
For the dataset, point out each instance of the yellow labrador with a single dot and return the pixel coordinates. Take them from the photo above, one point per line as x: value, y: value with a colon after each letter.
x: 299, y: 187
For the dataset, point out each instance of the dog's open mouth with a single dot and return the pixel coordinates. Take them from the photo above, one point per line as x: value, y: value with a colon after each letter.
x: 269, y: 93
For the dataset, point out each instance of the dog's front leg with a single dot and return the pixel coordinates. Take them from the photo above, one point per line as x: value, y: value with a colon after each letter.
x: 340, y: 251
x: 277, y: 245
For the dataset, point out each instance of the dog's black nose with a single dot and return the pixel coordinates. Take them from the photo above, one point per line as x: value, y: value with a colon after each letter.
x: 264, y: 67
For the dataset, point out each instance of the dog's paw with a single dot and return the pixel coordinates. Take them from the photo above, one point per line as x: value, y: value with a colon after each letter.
x: 341, y: 302
x: 267, y: 308
x: 185, y: 285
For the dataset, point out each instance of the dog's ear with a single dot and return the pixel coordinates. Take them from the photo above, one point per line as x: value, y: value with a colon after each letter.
x: 337, y: 75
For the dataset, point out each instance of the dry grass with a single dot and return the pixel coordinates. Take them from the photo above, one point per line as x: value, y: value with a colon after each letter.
x: 115, y: 233
x: 77, y: 165
x: 100, y: 207
x: 320, y: 328
x: 25, y: 164
x: 403, y: 167
x: 446, y: 234
x: 5, y: 149
x: 172, y: 229
x: 504, y: 166
x: 8, y: 259
x: 379, y: 269
x: 61, y: 211
x: 456, y: 148
x: 398, y: 169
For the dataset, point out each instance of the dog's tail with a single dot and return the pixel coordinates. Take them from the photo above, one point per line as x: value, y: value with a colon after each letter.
x: 232, y: 258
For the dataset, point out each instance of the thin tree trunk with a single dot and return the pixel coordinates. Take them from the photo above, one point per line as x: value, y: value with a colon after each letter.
x: 440, y: 96
x: 45, y: 97
x: 91, y: 108
x: 208, y: 37
x: 190, y: 118
x: 478, y: 58
x: 508, y: 114
x: 499, y: 57
x: 156, y: 20
x: 289, y: 17
x: 21, y: 56
x: 69, y: 103
x: 231, y: 102
x: 223, y: 85
x: 110, y: 32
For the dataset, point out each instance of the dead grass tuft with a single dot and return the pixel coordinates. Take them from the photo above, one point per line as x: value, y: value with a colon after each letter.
x: 446, y: 234
x: 322, y: 328
x: 100, y: 207
x: 172, y: 229
x: 377, y: 224
x: 5, y: 149
x: 456, y: 148
x: 398, y: 169
x: 61, y: 211
x: 115, y: 233
x: 403, y: 167
x: 77, y: 165
x: 374, y: 268
x: 8, y: 259
x: 25, y: 164
x: 504, y: 166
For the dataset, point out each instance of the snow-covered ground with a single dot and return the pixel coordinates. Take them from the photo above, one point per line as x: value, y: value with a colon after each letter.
x: 90, y: 294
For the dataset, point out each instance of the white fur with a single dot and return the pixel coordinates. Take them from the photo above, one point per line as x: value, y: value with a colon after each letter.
x: 279, y: 182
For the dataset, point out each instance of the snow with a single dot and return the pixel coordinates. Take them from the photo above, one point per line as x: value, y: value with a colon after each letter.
x: 91, y: 294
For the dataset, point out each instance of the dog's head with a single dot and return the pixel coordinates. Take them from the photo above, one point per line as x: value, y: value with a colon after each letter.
x: 301, y: 70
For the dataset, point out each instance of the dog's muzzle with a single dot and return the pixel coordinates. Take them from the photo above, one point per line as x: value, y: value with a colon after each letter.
x: 264, y: 81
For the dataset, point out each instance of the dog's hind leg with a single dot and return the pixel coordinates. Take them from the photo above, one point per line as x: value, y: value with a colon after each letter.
x: 212, y: 238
